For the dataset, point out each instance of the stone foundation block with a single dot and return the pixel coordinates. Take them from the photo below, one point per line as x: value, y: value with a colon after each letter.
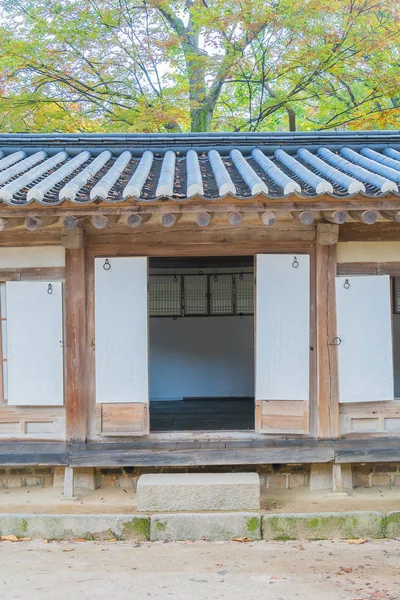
x: 278, y: 481
x: 198, y: 491
x: 381, y: 480
x: 84, y: 478
x: 321, y: 477
x: 205, y: 526
x: 392, y: 524
x: 65, y: 527
x: 322, y: 526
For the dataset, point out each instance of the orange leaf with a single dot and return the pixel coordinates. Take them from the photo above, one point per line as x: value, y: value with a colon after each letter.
x: 9, y: 538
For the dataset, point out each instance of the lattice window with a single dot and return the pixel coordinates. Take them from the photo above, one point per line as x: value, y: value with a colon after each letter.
x: 221, y: 290
x: 196, y: 294
x: 201, y: 294
x: 244, y: 293
x: 165, y: 296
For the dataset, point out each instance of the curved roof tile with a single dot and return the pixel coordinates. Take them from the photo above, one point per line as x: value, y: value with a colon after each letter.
x: 117, y: 168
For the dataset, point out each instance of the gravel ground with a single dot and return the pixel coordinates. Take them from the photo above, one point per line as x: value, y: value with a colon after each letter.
x: 200, y: 570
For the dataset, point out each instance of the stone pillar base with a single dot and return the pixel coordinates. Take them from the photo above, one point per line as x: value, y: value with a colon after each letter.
x: 321, y: 477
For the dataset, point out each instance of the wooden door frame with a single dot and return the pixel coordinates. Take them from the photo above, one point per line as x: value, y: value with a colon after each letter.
x: 126, y: 248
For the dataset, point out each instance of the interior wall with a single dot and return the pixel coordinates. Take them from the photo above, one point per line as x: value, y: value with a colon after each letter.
x: 396, y: 355
x: 201, y: 357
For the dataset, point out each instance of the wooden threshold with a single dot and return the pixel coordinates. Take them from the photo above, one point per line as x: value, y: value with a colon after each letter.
x: 196, y: 453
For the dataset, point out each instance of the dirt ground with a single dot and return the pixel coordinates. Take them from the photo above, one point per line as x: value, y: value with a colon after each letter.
x: 329, y: 570
x: 119, y: 500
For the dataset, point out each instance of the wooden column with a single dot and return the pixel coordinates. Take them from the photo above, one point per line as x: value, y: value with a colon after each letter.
x: 327, y: 362
x: 75, y: 355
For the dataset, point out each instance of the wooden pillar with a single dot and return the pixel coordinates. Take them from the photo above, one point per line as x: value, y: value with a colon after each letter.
x: 327, y: 362
x: 75, y: 355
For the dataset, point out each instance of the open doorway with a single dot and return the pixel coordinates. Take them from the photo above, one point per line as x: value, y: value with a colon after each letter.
x: 201, y: 344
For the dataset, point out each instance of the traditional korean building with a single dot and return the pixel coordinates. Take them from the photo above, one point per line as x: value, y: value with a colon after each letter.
x: 200, y: 299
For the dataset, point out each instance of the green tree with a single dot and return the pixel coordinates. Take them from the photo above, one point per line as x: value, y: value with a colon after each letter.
x: 199, y: 65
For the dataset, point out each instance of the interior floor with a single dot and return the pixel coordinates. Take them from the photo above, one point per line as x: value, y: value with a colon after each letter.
x: 202, y: 414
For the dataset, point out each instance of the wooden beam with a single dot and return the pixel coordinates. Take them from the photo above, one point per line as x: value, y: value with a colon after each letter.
x: 268, y: 217
x: 335, y: 216
x: 305, y: 217
x: 327, y: 234
x: 369, y: 268
x: 75, y: 355
x: 35, y: 223
x: 235, y: 218
x: 368, y: 217
x: 382, y: 231
x: 133, y: 220
x: 74, y: 222
x: 100, y: 221
x: 7, y: 224
x: 32, y: 273
x: 203, y: 219
x: 327, y: 361
x: 169, y: 219
x: 391, y: 215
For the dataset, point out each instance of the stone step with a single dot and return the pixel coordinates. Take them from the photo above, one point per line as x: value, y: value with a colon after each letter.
x: 170, y: 492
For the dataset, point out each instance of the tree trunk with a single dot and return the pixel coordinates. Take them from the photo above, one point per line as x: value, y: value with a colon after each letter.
x: 292, y: 118
x: 201, y: 118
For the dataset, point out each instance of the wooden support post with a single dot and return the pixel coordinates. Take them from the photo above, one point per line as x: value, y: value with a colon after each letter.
x: 391, y: 215
x: 305, y: 217
x: 337, y: 479
x: 235, y: 218
x: 336, y: 216
x: 327, y: 361
x: 75, y: 355
x: 268, y: 217
x: 72, y: 238
x: 69, y: 483
x: 368, y: 217
x: 327, y: 234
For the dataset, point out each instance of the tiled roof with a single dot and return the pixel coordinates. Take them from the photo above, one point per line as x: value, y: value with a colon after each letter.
x: 52, y: 169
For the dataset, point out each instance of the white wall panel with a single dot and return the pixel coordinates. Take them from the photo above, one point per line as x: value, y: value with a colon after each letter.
x: 282, y: 327
x: 121, y: 330
x: 35, y: 256
x: 368, y: 252
x: 364, y: 325
x: 35, y: 362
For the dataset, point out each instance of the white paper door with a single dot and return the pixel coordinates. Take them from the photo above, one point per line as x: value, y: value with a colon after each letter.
x: 121, y: 330
x: 35, y: 363
x: 364, y: 326
x: 282, y: 327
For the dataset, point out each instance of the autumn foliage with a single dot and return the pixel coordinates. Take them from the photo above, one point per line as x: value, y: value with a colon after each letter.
x: 200, y: 65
